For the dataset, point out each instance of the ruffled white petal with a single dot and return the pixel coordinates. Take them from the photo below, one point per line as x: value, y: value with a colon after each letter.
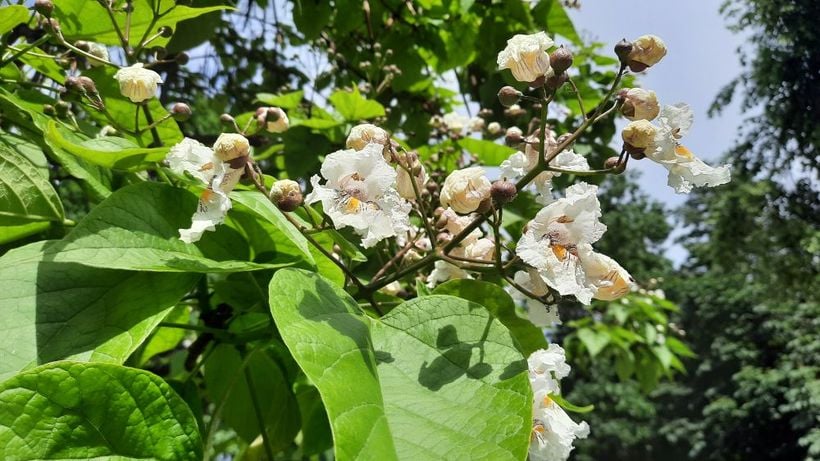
x: 444, y: 271
x: 192, y: 157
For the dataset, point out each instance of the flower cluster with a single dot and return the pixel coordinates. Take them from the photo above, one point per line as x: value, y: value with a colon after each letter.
x: 553, y: 431
x: 219, y: 169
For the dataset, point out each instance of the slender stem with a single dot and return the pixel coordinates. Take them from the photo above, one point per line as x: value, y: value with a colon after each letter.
x: 580, y: 100
x: 158, y: 122
x: 30, y: 84
x: 26, y: 48
x: 393, y: 260
x: 123, y: 39
x: 260, y: 418
x: 150, y: 119
x: 129, y: 5
x: 375, y: 285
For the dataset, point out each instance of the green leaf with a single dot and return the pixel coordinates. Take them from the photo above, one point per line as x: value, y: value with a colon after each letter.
x: 563, y: 403
x: 594, y: 341
x: 226, y: 380
x: 81, y: 20
x: 354, y: 107
x: 528, y: 337
x: 552, y: 15
x: 437, y: 375
x: 109, y: 152
x: 285, y: 238
x: 11, y: 16
x: 165, y: 338
x: 679, y: 347
x: 311, y: 16
x: 285, y: 101
x: 68, y: 410
x: 137, y: 228
x: 54, y: 311
x: 25, y: 192
x: 490, y: 153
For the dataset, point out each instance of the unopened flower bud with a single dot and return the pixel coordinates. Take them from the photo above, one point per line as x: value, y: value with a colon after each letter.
x: 52, y: 25
x: 165, y: 32
x: 613, y: 163
x: 87, y: 85
x: 182, y: 58
x: 622, y: 50
x: 508, y: 96
x: 229, y: 146
x: 494, y: 128
x: 286, y: 194
x: 485, y: 113
x: 274, y: 119
x: 639, y: 104
x: 181, y: 111
x: 62, y: 108
x: 514, y: 111
x: 82, y: 45
x: 48, y: 109
x: 138, y: 83
x: 503, y: 192
x: 465, y: 189
x: 639, y: 134
x: 72, y: 84
x: 363, y: 134
x: 561, y: 60
x: 44, y: 7
x: 404, y: 180
x: 97, y: 50
x: 647, y: 50
x: 555, y: 81
x: 514, y: 136
x: 227, y: 120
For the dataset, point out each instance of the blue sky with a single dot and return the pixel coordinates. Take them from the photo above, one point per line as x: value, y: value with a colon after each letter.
x: 702, y: 59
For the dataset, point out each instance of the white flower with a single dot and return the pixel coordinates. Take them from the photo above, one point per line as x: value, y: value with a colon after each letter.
x: 556, y: 236
x: 455, y: 122
x: 454, y: 224
x: 220, y: 178
x: 444, y: 271
x: 640, y: 104
x: 482, y: 249
x: 526, y: 56
x: 540, y: 314
x: 230, y: 146
x: 137, y: 83
x: 360, y: 192
x: 609, y: 279
x: 647, y: 50
x: 685, y: 170
x: 553, y: 433
x: 363, y: 134
x: 465, y: 189
x: 98, y: 50
x: 519, y: 163
x: 547, y: 367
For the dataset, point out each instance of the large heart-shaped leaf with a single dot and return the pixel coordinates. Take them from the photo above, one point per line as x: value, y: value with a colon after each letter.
x: 69, y: 410
x: 137, y: 228
x: 54, y: 311
x: 25, y: 192
x: 438, y: 377
x: 528, y: 337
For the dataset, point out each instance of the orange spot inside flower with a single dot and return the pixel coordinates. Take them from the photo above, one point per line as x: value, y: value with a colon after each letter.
x: 353, y: 204
x: 206, y: 166
x: 207, y: 195
x: 560, y: 252
x: 547, y: 400
x: 684, y: 152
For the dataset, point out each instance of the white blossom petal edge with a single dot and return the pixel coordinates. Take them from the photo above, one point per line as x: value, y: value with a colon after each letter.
x: 360, y: 192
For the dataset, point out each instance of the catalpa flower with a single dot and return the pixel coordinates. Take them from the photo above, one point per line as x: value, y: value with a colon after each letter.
x: 465, y: 189
x: 685, y: 170
x: 553, y: 241
x: 526, y: 56
x: 219, y: 169
x: 553, y: 431
x: 360, y: 192
x: 138, y: 83
x: 444, y: 271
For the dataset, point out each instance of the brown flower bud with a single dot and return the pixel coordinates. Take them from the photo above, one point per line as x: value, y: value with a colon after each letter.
x: 87, y: 85
x: 72, y: 84
x: 227, y: 119
x: 555, y: 81
x: 182, y: 58
x: 508, y: 96
x: 44, y: 7
x: 538, y: 82
x: 622, y: 50
x: 286, y: 194
x: 561, y: 60
x: 503, y: 192
x: 612, y: 163
x: 165, y: 31
x: 514, y: 136
x: 181, y: 111
x: 82, y: 45
x: 48, y: 109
